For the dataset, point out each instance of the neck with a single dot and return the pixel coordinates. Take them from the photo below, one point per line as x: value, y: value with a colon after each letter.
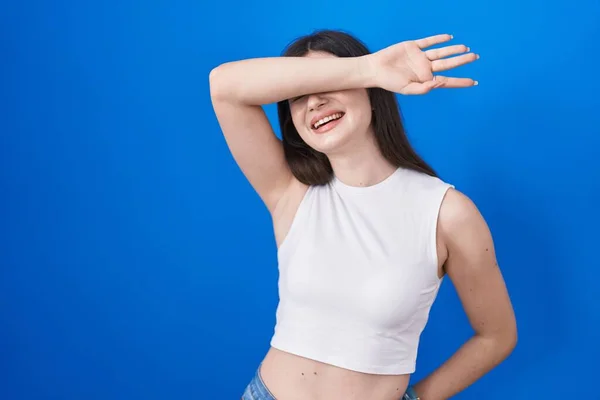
x: 362, y: 165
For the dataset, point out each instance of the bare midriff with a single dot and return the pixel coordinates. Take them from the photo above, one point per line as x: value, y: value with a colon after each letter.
x: 291, y: 377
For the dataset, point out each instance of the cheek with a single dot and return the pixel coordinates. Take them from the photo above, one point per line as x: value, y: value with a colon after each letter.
x: 360, y: 118
x: 359, y: 109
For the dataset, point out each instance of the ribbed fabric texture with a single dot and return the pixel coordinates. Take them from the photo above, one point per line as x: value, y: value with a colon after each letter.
x: 358, y: 273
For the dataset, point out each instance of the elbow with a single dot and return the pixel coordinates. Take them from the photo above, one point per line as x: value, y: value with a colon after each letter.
x: 513, y: 339
x: 217, y: 82
x: 507, y: 342
x: 510, y: 343
x: 500, y: 343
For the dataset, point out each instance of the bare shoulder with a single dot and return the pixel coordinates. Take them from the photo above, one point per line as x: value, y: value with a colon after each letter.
x: 465, y: 232
x: 458, y: 213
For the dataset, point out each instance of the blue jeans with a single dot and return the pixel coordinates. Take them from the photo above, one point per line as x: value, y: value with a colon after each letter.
x: 256, y: 389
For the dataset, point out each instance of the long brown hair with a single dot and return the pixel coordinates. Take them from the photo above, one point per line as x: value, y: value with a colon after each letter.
x: 312, y: 167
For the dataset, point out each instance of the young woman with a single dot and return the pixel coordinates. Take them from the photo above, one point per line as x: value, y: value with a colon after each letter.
x: 365, y: 229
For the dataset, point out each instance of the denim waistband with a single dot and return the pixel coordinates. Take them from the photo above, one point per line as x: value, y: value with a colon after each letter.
x: 256, y: 389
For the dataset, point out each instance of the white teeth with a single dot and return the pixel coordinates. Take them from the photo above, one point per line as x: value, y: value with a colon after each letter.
x: 327, y: 119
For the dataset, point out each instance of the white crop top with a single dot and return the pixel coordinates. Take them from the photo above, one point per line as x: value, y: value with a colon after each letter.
x: 358, y: 273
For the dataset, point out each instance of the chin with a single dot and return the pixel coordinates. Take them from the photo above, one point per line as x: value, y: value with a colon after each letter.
x: 335, y: 143
x: 329, y: 143
x: 333, y: 147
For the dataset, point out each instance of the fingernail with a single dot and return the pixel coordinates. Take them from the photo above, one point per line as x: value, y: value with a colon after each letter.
x: 476, y: 83
x: 478, y: 56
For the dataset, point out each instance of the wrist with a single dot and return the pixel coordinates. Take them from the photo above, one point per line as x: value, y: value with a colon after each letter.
x: 367, y: 71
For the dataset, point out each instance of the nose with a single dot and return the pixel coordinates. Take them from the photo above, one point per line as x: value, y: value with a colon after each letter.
x: 316, y: 101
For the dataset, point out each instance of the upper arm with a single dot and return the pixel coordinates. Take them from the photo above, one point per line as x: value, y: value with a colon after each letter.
x: 472, y: 266
x: 253, y: 145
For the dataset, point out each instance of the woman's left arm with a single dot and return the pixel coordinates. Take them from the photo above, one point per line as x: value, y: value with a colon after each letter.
x: 471, y: 265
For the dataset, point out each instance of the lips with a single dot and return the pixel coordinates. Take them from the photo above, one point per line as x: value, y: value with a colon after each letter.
x: 328, y: 126
x: 325, y: 119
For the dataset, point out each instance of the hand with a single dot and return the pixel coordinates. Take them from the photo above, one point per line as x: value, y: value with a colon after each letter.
x: 407, y: 69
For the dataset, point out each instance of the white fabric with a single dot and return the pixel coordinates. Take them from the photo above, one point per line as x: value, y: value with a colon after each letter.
x: 358, y: 273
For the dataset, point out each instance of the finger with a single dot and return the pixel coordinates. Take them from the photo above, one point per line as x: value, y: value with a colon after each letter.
x: 436, y: 54
x: 449, y: 63
x: 419, y: 87
x: 432, y: 40
x: 445, y: 82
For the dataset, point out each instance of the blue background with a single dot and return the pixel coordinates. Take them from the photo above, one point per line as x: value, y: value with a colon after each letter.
x: 137, y: 262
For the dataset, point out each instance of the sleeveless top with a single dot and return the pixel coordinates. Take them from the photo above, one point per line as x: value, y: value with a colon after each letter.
x: 358, y: 273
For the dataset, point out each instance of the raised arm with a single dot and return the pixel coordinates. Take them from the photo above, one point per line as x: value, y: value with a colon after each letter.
x: 239, y: 89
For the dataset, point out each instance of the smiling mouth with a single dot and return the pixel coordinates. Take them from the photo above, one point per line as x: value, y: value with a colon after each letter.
x: 324, y: 121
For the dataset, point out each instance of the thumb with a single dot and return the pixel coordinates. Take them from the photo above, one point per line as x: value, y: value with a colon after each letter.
x: 439, y: 81
x: 420, y: 87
